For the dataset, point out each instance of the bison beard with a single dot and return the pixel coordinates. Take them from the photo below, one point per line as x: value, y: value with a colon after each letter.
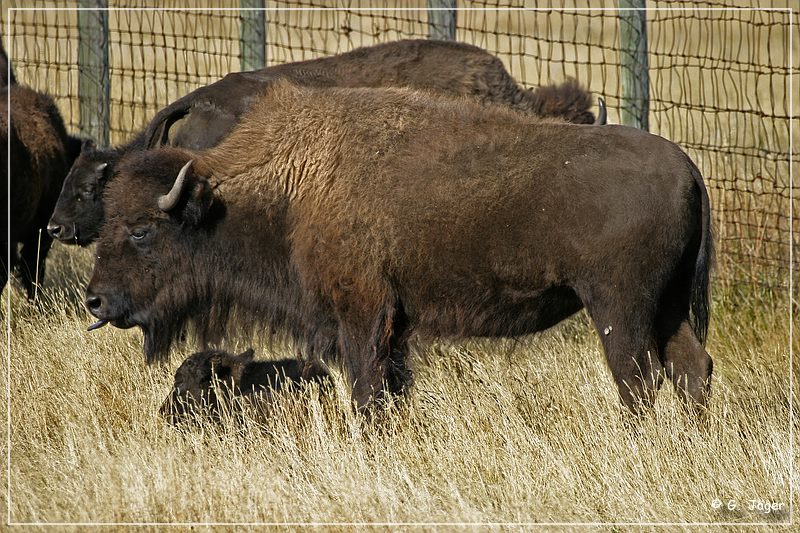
x: 353, y: 219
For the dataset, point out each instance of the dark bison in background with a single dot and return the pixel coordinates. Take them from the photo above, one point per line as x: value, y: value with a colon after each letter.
x: 6, y: 72
x: 41, y: 153
x: 205, y: 116
x: 351, y: 219
x: 206, y: 379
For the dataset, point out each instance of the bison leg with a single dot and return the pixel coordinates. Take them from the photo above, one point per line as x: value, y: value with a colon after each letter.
x: 686, y: 363
x: 376, y: 355
x: 628, y: 339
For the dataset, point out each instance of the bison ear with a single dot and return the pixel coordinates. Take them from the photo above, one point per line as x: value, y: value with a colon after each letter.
x: 74, y: 147
x: 200, y: 199
x: 190, y: 197
x: 87, y: 145
x: 246, y: 356
x: 221, y: 366
x: 226, y: 366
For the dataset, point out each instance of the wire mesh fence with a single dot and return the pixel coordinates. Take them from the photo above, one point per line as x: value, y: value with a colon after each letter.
x: 719, y: 79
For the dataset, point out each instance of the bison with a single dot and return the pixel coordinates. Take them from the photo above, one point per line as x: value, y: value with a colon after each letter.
x: 41, y: 153
x: 206, y: 379
x: 351, y: 219
x: 205, y: 116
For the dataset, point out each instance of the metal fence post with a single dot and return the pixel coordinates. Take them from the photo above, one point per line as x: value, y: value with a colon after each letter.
x: 442, y: 21
x: 94, y: 82
x: 634, y: 74
x: 252, y: 35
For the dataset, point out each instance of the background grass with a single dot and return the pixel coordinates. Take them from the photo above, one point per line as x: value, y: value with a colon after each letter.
x: 507, y: 431
x: 523, y: 431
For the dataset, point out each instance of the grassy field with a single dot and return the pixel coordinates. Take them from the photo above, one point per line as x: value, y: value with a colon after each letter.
x: 529, y: 431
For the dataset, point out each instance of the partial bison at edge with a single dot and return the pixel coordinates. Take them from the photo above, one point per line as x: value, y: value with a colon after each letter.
x: 206, y: 379
x: 32, y: 132
x: 352, y: 219
x: 204, y: 117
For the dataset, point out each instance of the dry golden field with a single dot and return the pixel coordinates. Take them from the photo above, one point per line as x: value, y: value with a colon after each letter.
x: 530, y: 431
x: 507, y: 432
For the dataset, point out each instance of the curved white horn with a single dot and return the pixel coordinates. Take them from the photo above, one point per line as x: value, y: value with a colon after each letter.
x: 168, y: 201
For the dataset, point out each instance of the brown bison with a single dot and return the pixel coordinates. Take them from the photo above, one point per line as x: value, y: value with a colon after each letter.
x: 205, y: 116
x: 40, y: 153
x: 206, y: 379
x: 353, y: 218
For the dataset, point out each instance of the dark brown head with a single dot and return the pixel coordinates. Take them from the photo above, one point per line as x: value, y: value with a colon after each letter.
x: 145, y: 272
x: 202, y: 381
x: 79, y: 215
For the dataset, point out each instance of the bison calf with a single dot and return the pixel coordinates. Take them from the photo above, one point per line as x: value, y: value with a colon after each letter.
x: 209, y: 378
x: 40, y: 153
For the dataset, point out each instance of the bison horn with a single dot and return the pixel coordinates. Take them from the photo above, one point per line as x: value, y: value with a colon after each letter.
x: 602, y: 116
x: 168, y: 201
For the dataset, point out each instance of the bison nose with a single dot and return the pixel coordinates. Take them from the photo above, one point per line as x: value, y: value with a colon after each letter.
x: 61, y: 232
x: 55, y: 230
x: 95, y: 304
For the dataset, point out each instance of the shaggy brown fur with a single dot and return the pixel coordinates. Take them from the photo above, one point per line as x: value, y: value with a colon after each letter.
x: 442, y: 67
x: 351, y: 219
x: 41, y: 154
x: 204, y: 117
x: 207, y: 379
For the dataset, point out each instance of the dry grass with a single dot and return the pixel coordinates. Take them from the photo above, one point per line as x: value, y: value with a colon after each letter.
x: 493, y: 432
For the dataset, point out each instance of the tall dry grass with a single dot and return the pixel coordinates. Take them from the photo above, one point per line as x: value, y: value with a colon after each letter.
x: 526, y: 431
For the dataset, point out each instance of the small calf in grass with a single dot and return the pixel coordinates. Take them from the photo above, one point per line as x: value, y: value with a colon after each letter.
x: 207, y: 379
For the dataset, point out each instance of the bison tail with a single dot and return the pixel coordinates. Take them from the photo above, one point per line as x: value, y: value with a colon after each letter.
x: 700, y: 298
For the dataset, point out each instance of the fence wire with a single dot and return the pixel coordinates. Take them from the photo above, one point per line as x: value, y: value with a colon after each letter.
x: 719, y: 80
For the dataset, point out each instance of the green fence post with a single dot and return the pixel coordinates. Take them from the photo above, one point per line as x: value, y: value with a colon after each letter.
x: 252, y: 35
x: 442, y: 21
x: 94, y: 82
x: 634, y: 74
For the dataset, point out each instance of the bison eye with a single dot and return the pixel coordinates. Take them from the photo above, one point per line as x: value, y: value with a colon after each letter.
x: 138, y: 234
